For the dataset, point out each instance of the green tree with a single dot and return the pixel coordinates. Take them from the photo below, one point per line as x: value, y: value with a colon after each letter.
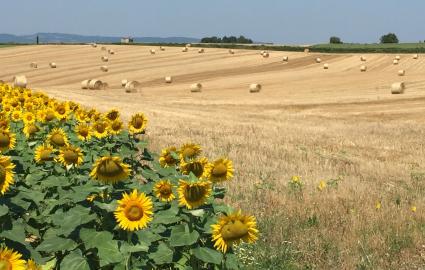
x: 389, y: 38
x: 335, y: 40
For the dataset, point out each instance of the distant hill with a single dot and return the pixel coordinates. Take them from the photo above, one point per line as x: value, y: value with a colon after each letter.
x: 70, y: 38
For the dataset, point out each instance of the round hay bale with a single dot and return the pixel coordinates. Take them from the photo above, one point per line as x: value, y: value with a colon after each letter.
x: 306, y: 50
x: 398, y: 88
x: 326, y: 66
x: 266, y: 55
x: 363, y: 59
x: 196, y: 87
x: 110, y: 51
x: 105, y: 85
x: 188, y: 45
x: 123, y: 82
x: 162, y: 48
x: 318, y: 60
x: 105, y: 59
x: 185, y: 49
x: 85, y: 84
x: 132, y: 87
x: 262, y: 52
x: 95, y: 84
x: 415, y: 56
x: 285, y: 59
x: 52, y: 64
x: 231, y: 51
x: 397, y: 57
x: 168, y: 79
x: 363, y: 68
x: 152, y: 51
x: 103, y: 48
x: 201, y: 50
x: 255, y: 88
x: 33, y: 65
x: 395, y: 62
x: 94, y: 45
x: 401, y: 72
x: 104, y: 68
x: 20, y: 81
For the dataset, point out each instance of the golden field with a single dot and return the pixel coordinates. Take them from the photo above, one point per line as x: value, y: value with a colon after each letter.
x: 318, y: 124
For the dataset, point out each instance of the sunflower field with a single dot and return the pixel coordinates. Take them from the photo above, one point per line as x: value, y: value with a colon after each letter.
x: 79, y: 190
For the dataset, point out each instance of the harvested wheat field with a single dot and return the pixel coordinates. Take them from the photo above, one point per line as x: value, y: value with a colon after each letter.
x: 328, y: 160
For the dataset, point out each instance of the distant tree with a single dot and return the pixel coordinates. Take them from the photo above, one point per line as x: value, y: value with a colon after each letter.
x: 389, y: 38
x: 242, y: 39
x: 335, y: 40
x: 226, y: 39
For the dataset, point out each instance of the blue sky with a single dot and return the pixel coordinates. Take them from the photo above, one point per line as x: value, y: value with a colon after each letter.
x: 291, y: 22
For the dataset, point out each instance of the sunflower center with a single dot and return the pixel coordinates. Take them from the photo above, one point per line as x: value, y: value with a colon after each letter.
x: 2, y: 175
x: 58, y: 139
x: 70, y: 156
x: 14, y: 104
x: 84, y: 132
x: 45, y: 155
x: 138, y: 122
x: 110, y: 168
x: 220, y: 170
x: 4, y: 140
x: 169, y: 159
x: 32, y: 129
x: 50, y: 116
x: 3, y: 124
x: 61, y: 110
x: 134, y: 213
x: 189, y: 152
x: 194, y: 193
x: 112, y: 116
x: 116, y: 126
x: 196, y: 168
x: 22, y: 99
x: 165, y: 190
x: 5, y: 265
x: 234, y: 231
x: 100, y: 128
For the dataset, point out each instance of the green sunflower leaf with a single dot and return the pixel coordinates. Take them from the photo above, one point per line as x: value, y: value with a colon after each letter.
x: 180, y: 236
x: 208, y: 255
x: 75, y: 260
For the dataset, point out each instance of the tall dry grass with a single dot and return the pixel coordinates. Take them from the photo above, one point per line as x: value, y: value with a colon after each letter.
x: 376, y: 157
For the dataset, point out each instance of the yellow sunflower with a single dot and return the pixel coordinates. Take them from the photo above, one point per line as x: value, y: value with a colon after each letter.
x: 110, y: 170
x: 7, y: 140
x: 15, y: 103
x: 134, y: 211
x: 4, y: 124
x: 189, y: 151
x: 57, y: 138
x: 6, y: 173
x: 116, y: 126
x: 61, y: 110
x: 31, y: 265
x: 166, y: 159
x: 232, y: 229
x: 11, y: 260
x: 44, y: 153
x: 137, y: 123
x: 28, y: 118
x: 83, y: 131
x: 29, y: 106
x: 220, y: 170
x: 193, y: 195
x: 73, y: 106
x: 70, y: 155
x: 82, y: 116
x: 164, y: 191
x: 49, y: 115
x: 30, y: 129
x: 197, y: 167
x: 7, y: 109
x: 113, y: 114
x: 41, y: 115
x: 100, y: 129
x: 16, y: 116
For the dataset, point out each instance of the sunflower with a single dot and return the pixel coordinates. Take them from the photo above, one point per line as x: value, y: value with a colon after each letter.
x: 83, y: 131
x: 233, y: 229
x: 70, y: 155
x: 61, y: 110
x: 164, y: 191
x: 28, y: 117
x: 82, y: 116
x: 7, y: 109
x: 16, y: 116
x: 134, y: 211
x: 137, y: 123
x: 41, y: 115
x: 4, y: 124
x: 166, y: 159
x: 113, y: 115
x: 116, y: 126
x: 14, y: 103
x: 100, y: 129
x: 110, y: 170
x: 6, y: 173
x: 29, y: 106
x: 11, y: 260
x: 30, y: 129
x: 49, y: 115
x: 31, y: 265
x: 197, y: 167
x: 220, y: 170
x: 57, y: 138
x: 193, y: 195
x: 73, y: 106
x: 44, y: 153
x: 7, y: 140
x: 189, y: 151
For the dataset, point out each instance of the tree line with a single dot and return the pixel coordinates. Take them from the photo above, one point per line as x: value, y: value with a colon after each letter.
x: 225, y: 39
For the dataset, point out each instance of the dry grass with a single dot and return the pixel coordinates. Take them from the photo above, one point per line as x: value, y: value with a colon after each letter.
x: 373, y: 142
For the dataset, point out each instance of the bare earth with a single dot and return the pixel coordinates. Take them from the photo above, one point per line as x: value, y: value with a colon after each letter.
x: 319, y: 124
